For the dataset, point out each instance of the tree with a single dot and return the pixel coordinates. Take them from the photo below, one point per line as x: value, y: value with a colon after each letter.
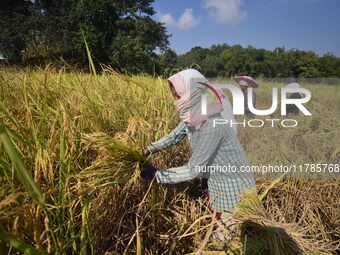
x: 307, y: 65
x: 329, y: 65
x: 15, y: 35
x: 167, y: 61
x: 132, y: 48
x: 194, y: 56
x: 211, y: 66
x: 119, y: 33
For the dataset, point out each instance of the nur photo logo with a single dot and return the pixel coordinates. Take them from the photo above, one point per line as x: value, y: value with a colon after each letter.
x: 280, y: 100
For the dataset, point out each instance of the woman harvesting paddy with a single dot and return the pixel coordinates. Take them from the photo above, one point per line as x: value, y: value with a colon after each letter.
x: 211, y: 146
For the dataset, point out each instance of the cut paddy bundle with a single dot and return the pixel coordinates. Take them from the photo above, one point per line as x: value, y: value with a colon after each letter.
x: 114, y: 151
x: 261, y: 234
x: 115, y: 161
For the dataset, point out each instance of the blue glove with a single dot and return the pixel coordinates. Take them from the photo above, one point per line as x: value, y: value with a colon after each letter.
x: 148, y: 171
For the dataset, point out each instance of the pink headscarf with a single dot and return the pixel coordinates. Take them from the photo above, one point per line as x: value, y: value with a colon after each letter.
x: 188, y: 87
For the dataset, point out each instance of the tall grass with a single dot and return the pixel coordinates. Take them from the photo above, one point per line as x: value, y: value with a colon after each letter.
x: 70, y: 155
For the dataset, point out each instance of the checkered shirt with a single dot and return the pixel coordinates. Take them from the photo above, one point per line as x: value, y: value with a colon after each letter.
x: 213, y: 148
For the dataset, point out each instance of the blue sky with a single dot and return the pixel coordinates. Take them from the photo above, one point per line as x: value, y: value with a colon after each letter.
x: 303, y: 24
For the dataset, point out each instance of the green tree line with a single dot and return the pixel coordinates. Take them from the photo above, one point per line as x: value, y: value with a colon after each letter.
x: 124, y: 35
x: 228, y: 61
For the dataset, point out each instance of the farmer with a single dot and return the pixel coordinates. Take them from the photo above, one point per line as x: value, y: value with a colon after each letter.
x: 181, y: 131
x: 292, y: 108
x: 246, y: 82
x: 213, y: 147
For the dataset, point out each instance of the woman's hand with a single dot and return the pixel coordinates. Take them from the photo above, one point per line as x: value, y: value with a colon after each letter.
x: 148, y: 171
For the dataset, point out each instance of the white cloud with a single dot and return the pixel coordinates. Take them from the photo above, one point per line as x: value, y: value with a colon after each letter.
x: 167, y: 19
x: 226, y: 11
x: 186, y: 21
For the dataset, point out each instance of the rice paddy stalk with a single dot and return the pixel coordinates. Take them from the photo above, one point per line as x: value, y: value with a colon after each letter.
x: 92, y: 67
x: 21, y: 172
x: 71, y: 127
x: 18, y: 244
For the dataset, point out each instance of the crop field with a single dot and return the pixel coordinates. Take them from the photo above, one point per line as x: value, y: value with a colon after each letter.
x: 70, y: 158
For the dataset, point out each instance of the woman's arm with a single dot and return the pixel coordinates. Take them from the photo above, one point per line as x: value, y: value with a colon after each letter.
x: 171, y: 139
x: 209, y: 140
